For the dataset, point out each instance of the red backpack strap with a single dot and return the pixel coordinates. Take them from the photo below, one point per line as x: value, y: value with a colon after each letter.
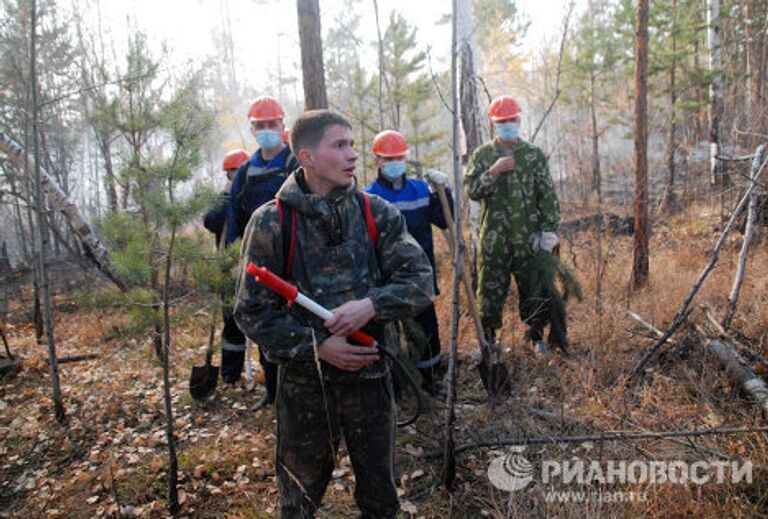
x: 290, y: 244
x: 373, y: 231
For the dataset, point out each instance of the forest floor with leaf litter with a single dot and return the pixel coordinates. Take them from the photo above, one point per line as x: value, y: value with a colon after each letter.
x: 111, y: 456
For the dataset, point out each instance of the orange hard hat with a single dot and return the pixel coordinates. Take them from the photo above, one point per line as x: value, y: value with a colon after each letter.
x: 286, y: 135
x: 265, y: 108
x: 389, y: 143
x: 234, y: 158
x: 503, y: 107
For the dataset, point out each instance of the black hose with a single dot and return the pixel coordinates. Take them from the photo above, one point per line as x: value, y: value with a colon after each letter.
x: 414, y: 386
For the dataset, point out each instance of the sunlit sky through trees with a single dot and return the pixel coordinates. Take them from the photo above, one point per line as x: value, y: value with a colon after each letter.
x: 265, y: 41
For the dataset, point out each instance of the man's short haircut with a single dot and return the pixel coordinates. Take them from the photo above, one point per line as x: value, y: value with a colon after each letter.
x: 309, y: 128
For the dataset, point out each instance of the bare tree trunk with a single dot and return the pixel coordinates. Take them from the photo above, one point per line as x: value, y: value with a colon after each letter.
x: 106, y: 154
x: 716, y: 174
x: 472, y: 115
x: 749, y: 40
x: 596, y: 180
x: 173, y: 469
x: 761, y: 72
x: 312, y: 68
x: 16, y: 194
x: 42, y: 228
x: 59, y: 201
x: 449, y: 455
x: 381, y: 66
x: 699, y: 127
x: 669, y: 193
x: 37, y: 316
x: 640, y: 265
x: 126, y: 195
x: 749, y: 231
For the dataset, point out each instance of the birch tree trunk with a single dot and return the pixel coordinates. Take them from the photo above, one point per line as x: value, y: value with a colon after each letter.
x: 60, y: 202
x: 748, y: 232
x: 310, y: 37
x: 640, y: 261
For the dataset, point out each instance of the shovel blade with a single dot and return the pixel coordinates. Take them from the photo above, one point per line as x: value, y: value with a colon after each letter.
x: 202, y: 381
x: 496, y: 379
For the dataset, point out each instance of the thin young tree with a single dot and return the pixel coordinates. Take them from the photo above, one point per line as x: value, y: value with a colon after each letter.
x: 381, y: 74
x: 187, y: 124
x: 146, y: 249
x: 42, y: 234
x: 400, y: 62
x: 449, y: 454
x: 640, y: 263
x: 717, y: 178
x: 670, y: 201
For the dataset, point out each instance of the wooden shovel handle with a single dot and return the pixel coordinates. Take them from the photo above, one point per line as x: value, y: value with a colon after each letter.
x: 464, y: 277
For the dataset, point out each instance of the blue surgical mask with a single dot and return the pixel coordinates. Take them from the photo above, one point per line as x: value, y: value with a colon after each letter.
x: 268, y: 139
x: 394, y: 169
x: 507, y: 131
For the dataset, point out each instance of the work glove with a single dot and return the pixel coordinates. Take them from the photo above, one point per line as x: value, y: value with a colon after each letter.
x: 545, y: 241
x: 436, y: 177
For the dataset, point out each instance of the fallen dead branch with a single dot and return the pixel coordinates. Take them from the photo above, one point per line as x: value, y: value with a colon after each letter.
x: 680, y: 316
x: 78, y: 358
x: 748, y: 352
x: 687, y: 443
x: 5, y: 343
x: 59, y: 200
x: 618, y: 436
x: 10, y: 367
x: 740, y: 370
x: 648, y: 326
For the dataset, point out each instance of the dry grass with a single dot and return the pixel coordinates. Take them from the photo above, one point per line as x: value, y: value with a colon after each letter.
x: 112, y: 450
x: 685, y: 390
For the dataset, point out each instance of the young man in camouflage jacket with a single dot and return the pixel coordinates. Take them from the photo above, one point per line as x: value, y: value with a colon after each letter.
x: 519, y: 219
x: 368, y: 285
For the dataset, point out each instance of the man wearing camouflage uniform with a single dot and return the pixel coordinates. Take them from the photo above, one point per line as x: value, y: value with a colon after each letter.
x: 519, y: 219
x: 327, y: 386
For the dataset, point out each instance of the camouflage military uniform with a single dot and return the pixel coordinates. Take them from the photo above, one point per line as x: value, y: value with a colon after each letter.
x: 334, y: 261
x: 515, y: 206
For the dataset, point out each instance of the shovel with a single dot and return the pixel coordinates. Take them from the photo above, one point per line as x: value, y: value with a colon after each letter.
x: 203, y: 380
x: 494, y: 375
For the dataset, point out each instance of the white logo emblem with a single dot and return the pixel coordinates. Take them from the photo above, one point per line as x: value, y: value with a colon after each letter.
x: 511, y: 472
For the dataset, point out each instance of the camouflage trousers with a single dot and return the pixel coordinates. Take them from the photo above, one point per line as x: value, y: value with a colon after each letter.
x: 364, y: 411
x: 494, y: 270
